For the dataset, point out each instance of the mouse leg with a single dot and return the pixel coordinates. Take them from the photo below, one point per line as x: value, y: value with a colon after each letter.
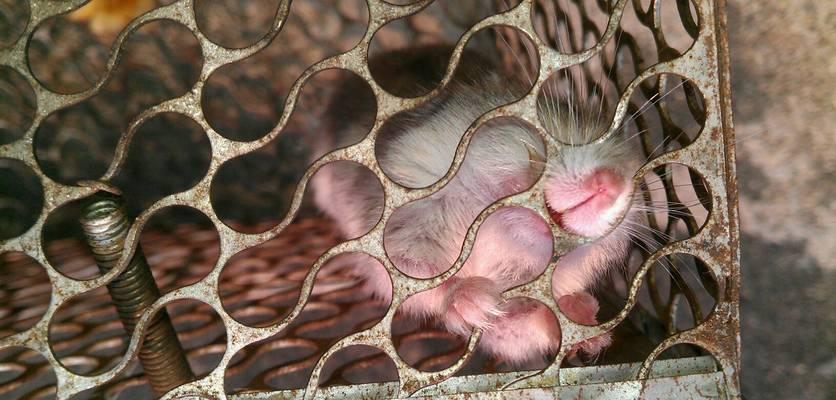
x: 574, y: 272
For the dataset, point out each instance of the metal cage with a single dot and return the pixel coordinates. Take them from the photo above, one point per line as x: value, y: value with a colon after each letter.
x: 32, y: 339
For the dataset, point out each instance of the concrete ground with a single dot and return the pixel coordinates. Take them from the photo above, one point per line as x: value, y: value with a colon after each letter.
x: 783, y: 70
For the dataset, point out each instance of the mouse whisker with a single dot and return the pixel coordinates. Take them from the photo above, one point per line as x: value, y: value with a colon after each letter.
x: 652, y: 101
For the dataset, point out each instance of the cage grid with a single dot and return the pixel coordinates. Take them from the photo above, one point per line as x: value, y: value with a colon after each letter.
x: 709, y: 156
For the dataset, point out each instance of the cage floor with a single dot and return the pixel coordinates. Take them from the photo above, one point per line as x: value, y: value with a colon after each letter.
x: 258, y: 287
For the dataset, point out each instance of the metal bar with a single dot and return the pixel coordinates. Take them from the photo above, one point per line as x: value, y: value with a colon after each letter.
x: 163, y: 360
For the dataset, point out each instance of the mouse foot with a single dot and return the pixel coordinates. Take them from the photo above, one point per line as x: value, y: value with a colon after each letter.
x: 472, y: 302
x: 582, y: 308
x: 592, y: 347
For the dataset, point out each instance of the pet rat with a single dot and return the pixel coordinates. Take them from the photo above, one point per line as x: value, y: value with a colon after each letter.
x: 588, y: 188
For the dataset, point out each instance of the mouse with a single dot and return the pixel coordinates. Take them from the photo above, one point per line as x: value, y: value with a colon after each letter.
x: 589, y: 191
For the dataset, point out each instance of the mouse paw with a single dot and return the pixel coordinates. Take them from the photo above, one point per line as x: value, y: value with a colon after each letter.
x: 592, y: 347
x: 472, y: 302
x: 582, y: 308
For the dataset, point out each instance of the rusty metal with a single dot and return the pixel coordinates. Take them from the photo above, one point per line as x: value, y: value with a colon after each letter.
x: 688, y: 379
x: 134, y: 290
x: 187, y: 254
x: 710, y: 155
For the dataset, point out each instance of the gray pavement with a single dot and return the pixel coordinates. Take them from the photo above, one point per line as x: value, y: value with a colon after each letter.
x: 783, y: 72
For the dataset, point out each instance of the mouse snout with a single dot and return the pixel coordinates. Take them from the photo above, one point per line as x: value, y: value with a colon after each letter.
x: 590, y: 204
x: 603, y: 187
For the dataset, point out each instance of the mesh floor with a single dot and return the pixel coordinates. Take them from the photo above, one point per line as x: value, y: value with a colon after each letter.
x: 259, y: 286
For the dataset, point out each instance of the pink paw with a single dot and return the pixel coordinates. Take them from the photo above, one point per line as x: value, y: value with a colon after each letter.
x: 582, y: 308
x: 592, y: 347
x: 471, y: 303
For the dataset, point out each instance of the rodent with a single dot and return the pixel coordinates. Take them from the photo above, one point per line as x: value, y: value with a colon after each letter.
x: 589, y: 188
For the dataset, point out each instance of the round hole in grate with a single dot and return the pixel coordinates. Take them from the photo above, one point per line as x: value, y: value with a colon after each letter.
x: 357, y: 364
x: 181, y: 246
x: 347, y: 118
x: 681, y: 290
x: 25, y: 293
x: 356, y: 208
x: 503, y: 347
x: 413, y: 67
x: 250, y: 193
x: 201, y: 333
x: 169, y: 153
x: 274, y: 363
x: 235, y: 24
x: 25, y: 373
x: 666, y: 112
x: 258, y: 187
x: 64, y: 244
x: 675, y: 290
x: 176, y: 237
x: 14, y: 16
x: 424, y: 345
x: 527, y: 324
x: 264, y: 281
x: 162, y: 60
x: 17, y: 104
x: 294, y: 374
x: 261, y: 285
x: 106, y: 19
x: 576, y: 104
x: 244, y: 100
x: 21, y: 198
x: 103, y: 340
x: 78, y: 65
x: 676, y: 201
x: 631, y: 339
x: 570, y: 26
x: 351, y: 293
x: 679, y: 25
x: 68, y: 53
x: 657, y: 31
x: 252, y: 292
x: 259, y: 289
x: 483, y: 81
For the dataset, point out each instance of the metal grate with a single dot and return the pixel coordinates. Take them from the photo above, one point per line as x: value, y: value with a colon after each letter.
x: 709, y: 156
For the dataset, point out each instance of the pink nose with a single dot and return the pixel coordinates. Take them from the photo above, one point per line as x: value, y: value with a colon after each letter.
x: 585, y: 211
x: 603, y: 185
